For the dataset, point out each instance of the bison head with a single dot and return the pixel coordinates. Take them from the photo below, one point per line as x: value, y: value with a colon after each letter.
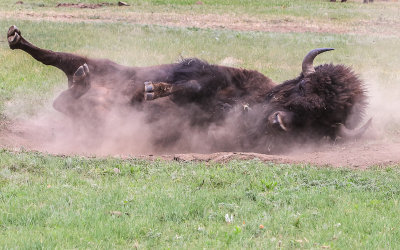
x: 328, y: 100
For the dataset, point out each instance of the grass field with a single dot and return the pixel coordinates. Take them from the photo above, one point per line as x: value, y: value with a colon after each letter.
x: 72, y: 202
x: 75, y: 202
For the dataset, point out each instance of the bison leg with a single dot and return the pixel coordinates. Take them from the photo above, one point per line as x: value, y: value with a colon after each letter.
x: 162, y: 89
x: 66, y: 62
x: 156, y: 90
x: 66, y: 101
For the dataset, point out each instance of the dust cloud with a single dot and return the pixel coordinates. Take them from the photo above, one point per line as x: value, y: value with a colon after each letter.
x: 122, y: 130
x: 384, y: 104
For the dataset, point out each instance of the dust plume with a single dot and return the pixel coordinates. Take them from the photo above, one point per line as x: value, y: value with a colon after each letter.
x: 125, y: 130
x: 384, y: 103
x: 155, y: 128
x: 160, y: 127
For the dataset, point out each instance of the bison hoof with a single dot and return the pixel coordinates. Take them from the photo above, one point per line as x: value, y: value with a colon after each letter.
x: 149, y: 96
x: 13, y: 36
x: 81, y: 73
x: 148, y: 91
x: 148, y: 87
x: 156, y: 90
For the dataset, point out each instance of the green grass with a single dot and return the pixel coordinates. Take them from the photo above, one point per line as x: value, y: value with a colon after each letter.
x: 70, y: 202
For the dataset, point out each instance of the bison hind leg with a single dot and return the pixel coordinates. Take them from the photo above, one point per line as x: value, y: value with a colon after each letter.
x: 13, y: 36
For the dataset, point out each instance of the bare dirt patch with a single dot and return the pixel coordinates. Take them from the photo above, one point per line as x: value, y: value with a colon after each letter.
x: 89, y: 5
x: 358, y: 155
x: 83, y: 5
x: 42, y: 134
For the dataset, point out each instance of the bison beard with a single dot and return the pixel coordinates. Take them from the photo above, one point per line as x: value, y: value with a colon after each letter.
x: 235, y: 109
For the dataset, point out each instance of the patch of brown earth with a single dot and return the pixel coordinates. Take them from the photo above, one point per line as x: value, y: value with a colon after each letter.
x: 83, y: 5
x: 359, y: 155
x: 38, y: 136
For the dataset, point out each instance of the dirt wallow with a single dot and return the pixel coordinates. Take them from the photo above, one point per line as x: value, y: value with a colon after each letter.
x: 43, y: 134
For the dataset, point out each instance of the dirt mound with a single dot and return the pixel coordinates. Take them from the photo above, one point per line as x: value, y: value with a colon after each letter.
x: 359, y: 155
x: 83, y: 5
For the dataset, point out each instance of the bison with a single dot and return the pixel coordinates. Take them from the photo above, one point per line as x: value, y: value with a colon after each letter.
x: 327, y: 101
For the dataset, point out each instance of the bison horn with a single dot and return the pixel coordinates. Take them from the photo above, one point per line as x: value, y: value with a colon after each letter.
x: 353, y: 133
x: 308, y: 60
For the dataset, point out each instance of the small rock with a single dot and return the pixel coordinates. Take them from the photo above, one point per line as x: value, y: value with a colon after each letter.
x: 117, y: 171
x: 120, y: 3
x: 199, y: 3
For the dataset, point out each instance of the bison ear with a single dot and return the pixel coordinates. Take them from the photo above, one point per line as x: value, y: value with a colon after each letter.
x: 308, y: 60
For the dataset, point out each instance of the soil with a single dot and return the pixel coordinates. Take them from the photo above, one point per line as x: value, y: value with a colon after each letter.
x: 39, y: 135
x: 352, y: 155
x: 83, y: 5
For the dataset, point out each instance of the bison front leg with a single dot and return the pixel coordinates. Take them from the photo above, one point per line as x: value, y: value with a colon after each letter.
x: 156, y: 90
x: 66, y: 101
x: 162, y: 89
x: 66, y: 62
